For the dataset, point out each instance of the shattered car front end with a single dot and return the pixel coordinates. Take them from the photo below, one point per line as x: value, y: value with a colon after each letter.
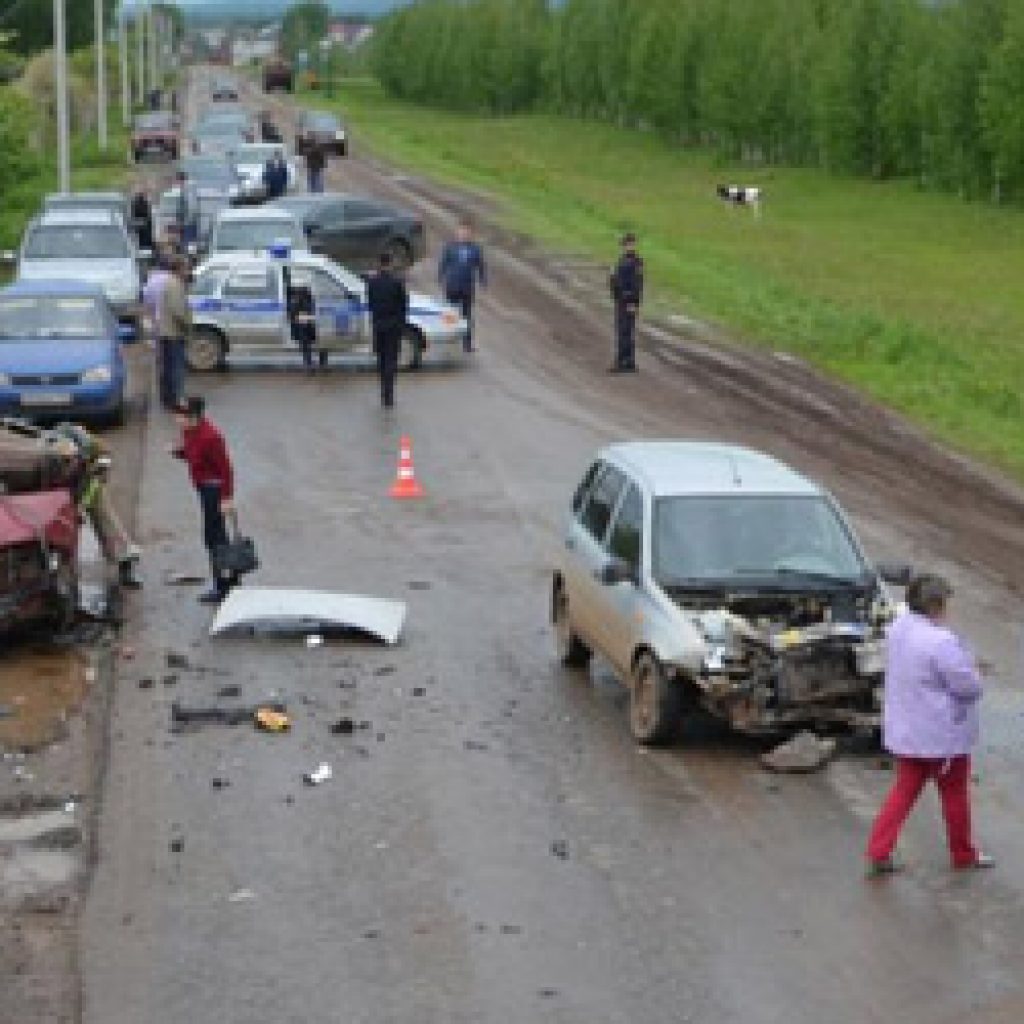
x: 775, y: 660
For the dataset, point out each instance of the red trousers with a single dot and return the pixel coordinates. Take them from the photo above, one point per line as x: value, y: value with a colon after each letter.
x: 953, y: 779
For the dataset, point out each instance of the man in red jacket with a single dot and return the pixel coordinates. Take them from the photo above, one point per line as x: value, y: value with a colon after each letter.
x: 209, y: 465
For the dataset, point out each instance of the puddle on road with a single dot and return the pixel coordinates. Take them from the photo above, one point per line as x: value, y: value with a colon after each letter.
x: 39, y: 692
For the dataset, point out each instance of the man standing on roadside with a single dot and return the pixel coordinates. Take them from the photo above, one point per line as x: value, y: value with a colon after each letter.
x: 275, y: 176
x: 316, y: 161
x: 627, y: 288
x: 204, y: 450
x: 174, y: 328
x: 389, y: 307
x: 461, y: 266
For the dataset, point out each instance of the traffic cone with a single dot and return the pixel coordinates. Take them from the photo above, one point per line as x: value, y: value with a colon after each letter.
x: 406, y: 485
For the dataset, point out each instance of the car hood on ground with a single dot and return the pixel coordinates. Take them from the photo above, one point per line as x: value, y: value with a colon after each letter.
x: 57, y: 356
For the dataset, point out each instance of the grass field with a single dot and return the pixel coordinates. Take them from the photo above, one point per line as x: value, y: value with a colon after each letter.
x: 913, y: 297
x: 91, y: 168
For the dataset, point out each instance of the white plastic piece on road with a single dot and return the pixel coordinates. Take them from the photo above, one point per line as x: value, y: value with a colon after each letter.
x: 314, y: 640
x: 269, y: 608
x: 241, y: 895
x: 322, y: 774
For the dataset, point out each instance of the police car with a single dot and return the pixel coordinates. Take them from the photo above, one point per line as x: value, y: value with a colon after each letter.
x: 238, y: 307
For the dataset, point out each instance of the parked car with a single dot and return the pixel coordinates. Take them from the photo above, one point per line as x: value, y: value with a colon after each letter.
x: 238, y: 306
x: 113, y: 202
x: 249, y: 160
x: 60, y: 352
x: 217, y: 139
x: 323, y: 129
x: 84, y: 245
x: 255, y: 229
x: 354, y: 230
x: 211, y: 202
x: 714, y: 576
x: 156, y: 133
x: 212, y: 175
x: 278, y: 74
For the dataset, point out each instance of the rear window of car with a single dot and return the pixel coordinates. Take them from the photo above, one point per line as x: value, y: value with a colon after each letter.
x: 48, y: 317
x: 322, y: 122
x: 257, y: 235
x: 85, y: 242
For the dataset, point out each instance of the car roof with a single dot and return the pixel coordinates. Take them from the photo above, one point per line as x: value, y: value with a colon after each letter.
x: 59, y: 288
x: 77, y: 217
x: 677, y: 468
x: 87, y: 197
x: 241, y: 260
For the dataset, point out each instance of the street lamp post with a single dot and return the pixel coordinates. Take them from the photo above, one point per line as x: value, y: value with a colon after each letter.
x: 126, y: 85
x: 101, y: 76
x: 60, y: 62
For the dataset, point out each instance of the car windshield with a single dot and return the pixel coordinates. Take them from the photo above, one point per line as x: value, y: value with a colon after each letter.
x: 51, y: 317
x: 157, y: 121
x: 78, y: 242
x: 108, y: 204
x: 322, y: 122
x: 774, y: 538
x: 208, y: 172
x: 257, y: 153
x: 257, y: 235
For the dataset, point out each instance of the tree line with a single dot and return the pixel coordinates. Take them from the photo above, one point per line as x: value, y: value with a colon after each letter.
x: 928, y: 89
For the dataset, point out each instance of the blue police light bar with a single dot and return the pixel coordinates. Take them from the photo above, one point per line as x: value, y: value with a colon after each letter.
x: 280, y: 249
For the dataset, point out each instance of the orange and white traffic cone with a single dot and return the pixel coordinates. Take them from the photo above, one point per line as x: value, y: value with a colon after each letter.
x: 406, y: 485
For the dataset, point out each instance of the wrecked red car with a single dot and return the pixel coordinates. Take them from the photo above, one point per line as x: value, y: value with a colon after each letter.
x: 156, y: 134
x: 39, y: 533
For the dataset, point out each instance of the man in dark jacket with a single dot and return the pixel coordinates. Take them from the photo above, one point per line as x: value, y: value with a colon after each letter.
x: 462, y: 265
x: 316, y: 161
x: 389, y: 307
x: 627, y: 287
x: 275, y: 176
x: 142, y: 219
x: 203, y: 449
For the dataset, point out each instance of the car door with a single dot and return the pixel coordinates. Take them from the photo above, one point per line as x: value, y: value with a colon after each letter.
x: 368, y: 229
x: 254, y: 310
x: 585, y: 544
x: 339, y: 314
x: 620, y: 606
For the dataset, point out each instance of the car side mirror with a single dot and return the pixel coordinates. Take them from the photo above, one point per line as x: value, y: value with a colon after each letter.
x: 899, y: 574
x: 616, y: 571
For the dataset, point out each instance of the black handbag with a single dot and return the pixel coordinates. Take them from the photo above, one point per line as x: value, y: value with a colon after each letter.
x: 238, y: 557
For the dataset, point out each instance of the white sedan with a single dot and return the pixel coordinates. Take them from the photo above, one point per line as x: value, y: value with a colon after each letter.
x: 250, y: 159
x: 239, y: 306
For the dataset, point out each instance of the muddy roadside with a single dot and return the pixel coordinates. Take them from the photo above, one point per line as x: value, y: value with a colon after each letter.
x: 54, y: 729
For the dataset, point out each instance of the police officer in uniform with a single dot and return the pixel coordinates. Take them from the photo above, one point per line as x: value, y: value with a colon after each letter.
x: 627, y: 287
x: 388, y: 299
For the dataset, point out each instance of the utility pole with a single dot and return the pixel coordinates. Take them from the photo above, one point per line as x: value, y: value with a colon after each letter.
x: 60, y: 63
x: 154, y: 56
x: 140, y: 39
x: 101, y: 76
x: 126, y: 85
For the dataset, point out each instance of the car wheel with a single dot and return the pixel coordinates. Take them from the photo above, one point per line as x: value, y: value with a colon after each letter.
x: 205, y: 352
x: 400, y: 253
x: 410, y: 355
x: 572, y: 651
x: 655, y: 703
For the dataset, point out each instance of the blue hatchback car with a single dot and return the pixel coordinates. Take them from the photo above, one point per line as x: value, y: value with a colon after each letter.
x: 60, y: 352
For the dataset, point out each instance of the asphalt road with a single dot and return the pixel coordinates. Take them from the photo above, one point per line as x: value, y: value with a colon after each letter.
x: 493, y: 847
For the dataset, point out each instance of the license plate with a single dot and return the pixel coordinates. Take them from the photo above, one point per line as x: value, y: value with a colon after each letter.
x: 46, y: 398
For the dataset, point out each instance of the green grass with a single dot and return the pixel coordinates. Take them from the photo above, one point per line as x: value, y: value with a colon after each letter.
x: 913, y: 297
x: 91, y: 168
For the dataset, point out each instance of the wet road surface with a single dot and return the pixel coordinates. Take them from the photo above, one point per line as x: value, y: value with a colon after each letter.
x: 492, y: 846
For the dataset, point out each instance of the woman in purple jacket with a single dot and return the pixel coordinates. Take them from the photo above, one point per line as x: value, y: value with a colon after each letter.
x: 930, y: 722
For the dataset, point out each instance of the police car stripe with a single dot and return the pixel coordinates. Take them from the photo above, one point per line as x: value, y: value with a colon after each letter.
x: 273, y: 306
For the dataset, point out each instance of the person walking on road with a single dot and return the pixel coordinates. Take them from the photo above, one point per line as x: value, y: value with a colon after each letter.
x: 153, y: 291
x: 275, y: 176
x: 461, y: 267
x: 316, y: 161
x: 186, y: 213
x: 174, y: 328
x: 930, y: 723
x: 142, y: 219
x: 205, y: 451
x: 389, y: 307
x: 627, y: 288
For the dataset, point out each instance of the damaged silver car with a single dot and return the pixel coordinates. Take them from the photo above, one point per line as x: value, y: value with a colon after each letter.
x: 714, y: 576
